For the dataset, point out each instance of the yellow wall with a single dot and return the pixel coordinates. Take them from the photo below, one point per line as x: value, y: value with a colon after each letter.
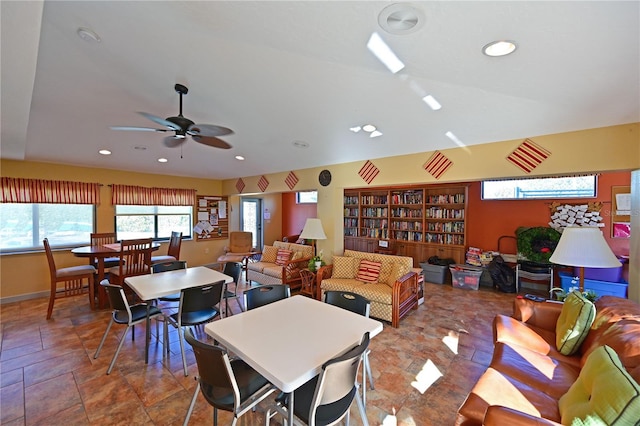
x: 25, y: 274
x: 594, y: 150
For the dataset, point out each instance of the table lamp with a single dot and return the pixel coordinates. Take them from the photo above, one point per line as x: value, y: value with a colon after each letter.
x: 584, y: 247
x: 313, y: 231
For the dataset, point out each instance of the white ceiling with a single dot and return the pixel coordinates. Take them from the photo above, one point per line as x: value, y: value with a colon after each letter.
x: 279, y: 72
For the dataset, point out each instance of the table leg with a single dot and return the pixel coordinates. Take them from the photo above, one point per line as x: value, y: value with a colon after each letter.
x: 102, y: 295
x: 290, y: 414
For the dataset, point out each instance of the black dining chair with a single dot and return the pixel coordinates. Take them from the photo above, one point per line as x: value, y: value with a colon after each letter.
x: 359, y: 305
x: 198, y: 305
x: 173, y: 265
x: 123, y: 313
x: 233, y: 269
x: 327, y: 398
x: 265, y: 294
x: 226, y: 384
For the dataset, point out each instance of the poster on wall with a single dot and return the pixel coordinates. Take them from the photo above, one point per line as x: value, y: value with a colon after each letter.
x: 621, y: 230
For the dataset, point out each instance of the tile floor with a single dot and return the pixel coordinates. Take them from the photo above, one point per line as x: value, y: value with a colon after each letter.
x: 48, y: 375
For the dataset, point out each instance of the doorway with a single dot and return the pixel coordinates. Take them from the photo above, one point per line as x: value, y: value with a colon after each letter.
x: 251, y: 219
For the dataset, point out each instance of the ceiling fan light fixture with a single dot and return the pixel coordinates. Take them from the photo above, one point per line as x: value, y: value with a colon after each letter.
x: 375, y: 134
x: 355, y: 129
x: 369, y: 128
x: 499, y: 48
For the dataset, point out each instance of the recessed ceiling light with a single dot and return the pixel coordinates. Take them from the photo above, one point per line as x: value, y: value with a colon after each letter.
x: 369, y: 128
x: 88, y: 35
x: 140, y: 148
x: 432, y: 102
x: 499, y: 48
x: 162, y: 160
x: 239, y: 157
x: 300, y: 144
x: 383, y: 52
x: 375, y: 134
x: 105, y: 152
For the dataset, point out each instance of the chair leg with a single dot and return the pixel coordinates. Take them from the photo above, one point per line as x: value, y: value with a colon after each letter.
x: 215, y: 416
x: 104, y: 337
x: 361, y: 409
x: 52, y: 299
x: 184, y: 357
x: 115, y: 355
x: 193, y: 404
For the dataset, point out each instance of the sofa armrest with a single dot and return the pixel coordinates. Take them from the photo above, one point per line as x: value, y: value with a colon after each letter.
x: 540, y: 314
x: 404, y: 297
x: 499, y: 416
x: 324, y: 272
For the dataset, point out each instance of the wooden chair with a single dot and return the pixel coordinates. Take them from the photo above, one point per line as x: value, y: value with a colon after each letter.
x: 73, y: 278
x: 135, y: 259
x: 308, y: 285
x: 100, y: 239
x: 173, y: 251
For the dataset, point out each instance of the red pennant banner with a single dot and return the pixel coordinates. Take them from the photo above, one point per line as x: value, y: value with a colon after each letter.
x: 437, y: 164
x: 528, y: 156
x: 291, y: 180
x: 263, y: 183
x: 240, y: 185
x: 368, y: 172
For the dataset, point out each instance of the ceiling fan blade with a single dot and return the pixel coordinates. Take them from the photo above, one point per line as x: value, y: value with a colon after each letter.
x: 211, y: 141
x: 160, y: 121
x: 139, y: 129
x: 173, y: 141
x: 208, y: 130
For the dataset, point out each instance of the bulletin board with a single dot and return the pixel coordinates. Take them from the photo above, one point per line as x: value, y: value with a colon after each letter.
x: 621, y: 212
x: 212, y: 218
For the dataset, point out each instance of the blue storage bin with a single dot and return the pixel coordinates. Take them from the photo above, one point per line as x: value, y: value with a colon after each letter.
x: 602, y: 288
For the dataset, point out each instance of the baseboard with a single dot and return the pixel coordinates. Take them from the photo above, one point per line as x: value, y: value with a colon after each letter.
x: 21, y: 297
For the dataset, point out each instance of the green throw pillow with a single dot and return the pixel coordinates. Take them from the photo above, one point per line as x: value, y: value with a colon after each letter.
x: 604, y: 393
x: 574, y: 323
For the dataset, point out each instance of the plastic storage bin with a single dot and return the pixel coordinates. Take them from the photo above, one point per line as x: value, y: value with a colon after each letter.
x: 435, y: 273
x: 465, y: 276
x: 602, y: 274
x: 601, y: 288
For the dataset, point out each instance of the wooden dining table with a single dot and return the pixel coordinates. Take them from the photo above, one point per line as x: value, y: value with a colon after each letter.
x: 99, y: 253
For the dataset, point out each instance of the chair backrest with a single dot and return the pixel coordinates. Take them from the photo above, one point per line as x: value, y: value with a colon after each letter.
x: 265, y: 294
x: 117, y: 298
x: 215, y: 372
x: 169, y: 266
x: 337, y: 383
x: 174, y: 244
x: 233, y: 269
x: 349, y: 301
x: 240, y: 242
x: 98, y: 239
x: 200, y: 298
x: 135, y: 257
x: 50, y: 260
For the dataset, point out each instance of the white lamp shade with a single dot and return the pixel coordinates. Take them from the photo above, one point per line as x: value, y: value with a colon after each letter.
x: 313, y: 230
x: 584, y: 246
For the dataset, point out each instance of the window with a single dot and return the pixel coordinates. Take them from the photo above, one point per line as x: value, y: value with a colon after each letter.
x: 23, y: 226
x: 155, y: 222
x: 552, y: 187
x: 306, y: 197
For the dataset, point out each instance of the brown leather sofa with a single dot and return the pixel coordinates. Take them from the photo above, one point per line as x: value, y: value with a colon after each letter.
x: 527, y: 375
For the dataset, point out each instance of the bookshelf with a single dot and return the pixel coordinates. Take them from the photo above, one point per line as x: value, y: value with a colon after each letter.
x: 417, y: 221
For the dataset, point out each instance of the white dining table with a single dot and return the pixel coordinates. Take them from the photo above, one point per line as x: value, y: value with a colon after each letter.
x: 153, y: 286
x: 288, y: 341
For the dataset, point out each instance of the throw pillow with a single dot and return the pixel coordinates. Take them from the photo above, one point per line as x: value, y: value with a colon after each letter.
x: 368, y: 271
x: 269, y: 254
x: 574, y: 323
x: 344, y: 267
x: 283, y: 256
x: 604, y: 391
x: 397, y: 271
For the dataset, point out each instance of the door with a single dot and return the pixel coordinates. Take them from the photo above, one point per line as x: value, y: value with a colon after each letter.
x: 251, y: 219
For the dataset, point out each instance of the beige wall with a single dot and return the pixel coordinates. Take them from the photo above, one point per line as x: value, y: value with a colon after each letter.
x: 603, y: 149
x: 28, y: 274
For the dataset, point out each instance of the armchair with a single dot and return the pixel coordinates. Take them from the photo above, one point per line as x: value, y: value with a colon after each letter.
x: 239, y: 250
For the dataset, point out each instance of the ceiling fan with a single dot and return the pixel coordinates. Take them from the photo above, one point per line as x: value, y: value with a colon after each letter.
x: 206, y: 134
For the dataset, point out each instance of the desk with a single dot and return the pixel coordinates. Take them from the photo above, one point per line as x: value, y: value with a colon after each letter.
x: 101, y: 253
x: 152, y: 286
x: 315, y: 333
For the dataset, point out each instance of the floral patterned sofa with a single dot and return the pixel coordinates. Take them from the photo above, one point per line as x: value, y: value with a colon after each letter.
x: 386, y: 280
x: 280, y: 264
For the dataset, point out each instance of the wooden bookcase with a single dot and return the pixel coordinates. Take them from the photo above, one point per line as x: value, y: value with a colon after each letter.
x: 216, y: 209
x: 417, y: 221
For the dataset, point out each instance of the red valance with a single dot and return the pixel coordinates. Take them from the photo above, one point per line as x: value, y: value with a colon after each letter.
x: 17, y: 190
x: 141, y: 196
